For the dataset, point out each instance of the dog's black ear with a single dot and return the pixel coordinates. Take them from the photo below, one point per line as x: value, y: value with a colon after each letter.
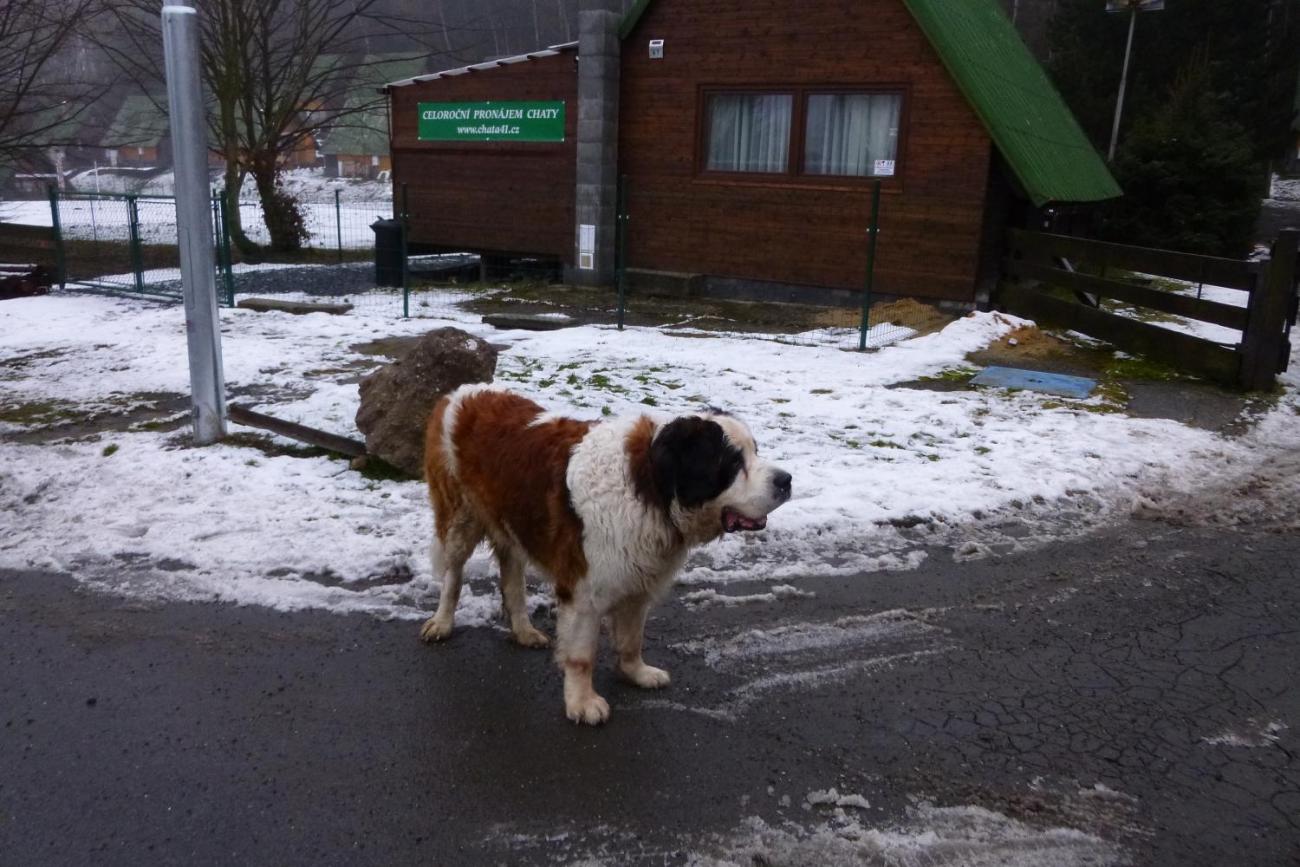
x: 693, y: 462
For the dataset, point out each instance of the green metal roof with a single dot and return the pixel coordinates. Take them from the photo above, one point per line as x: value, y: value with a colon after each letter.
x: 632, y: 17
x: 364, y: 131
x: 138, y: 123
x: 1027, y: 119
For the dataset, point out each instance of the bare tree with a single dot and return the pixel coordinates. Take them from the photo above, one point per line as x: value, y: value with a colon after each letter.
x: 276, y: 72
x: 40, y: 98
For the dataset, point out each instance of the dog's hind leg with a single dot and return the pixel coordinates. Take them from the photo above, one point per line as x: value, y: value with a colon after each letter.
x: 455, y: 543
x: 515, y: 599
x: 627, y: 622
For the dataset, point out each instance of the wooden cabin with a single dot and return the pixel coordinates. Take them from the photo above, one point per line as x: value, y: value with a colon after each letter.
x: 138, y: 135
x: 747, y: 137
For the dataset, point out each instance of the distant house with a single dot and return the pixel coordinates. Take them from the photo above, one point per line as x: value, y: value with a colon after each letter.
x: 138, y: 135
x: 356, y: 146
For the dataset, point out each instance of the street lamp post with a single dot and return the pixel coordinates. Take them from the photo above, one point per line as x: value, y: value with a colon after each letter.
x: 1133, y: 7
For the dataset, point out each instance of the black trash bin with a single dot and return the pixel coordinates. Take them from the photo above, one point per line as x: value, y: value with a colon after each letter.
x: 389, y: 252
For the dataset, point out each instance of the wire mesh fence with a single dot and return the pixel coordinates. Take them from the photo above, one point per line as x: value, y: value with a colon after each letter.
x: 356, y: 251
x: 118, y: 243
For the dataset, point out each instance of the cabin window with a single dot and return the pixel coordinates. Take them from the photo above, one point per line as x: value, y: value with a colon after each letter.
x: 749, y: 132
x: 801, y: 134
x: 852, y: 134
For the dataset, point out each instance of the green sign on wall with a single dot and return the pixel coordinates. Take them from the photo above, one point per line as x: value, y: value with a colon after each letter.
x: 492, y: 121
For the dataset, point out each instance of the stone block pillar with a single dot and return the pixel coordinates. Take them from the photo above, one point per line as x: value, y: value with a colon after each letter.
x: 596, y: 196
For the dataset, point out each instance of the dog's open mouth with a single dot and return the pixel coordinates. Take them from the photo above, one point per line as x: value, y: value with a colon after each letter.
x: 733, y: 521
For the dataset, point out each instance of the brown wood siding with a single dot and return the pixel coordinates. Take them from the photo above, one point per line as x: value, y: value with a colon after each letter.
x: 800, y: 230
x: 515, y: 198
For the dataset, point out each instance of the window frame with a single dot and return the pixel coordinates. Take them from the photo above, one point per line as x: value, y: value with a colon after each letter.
x: 795, y: 174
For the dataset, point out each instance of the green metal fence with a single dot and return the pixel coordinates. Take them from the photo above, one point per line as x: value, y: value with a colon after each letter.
x: 360, y: 253
x: 118, y: 243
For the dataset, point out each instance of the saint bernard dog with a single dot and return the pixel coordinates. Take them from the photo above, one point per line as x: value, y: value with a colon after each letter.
x: 606, y: 510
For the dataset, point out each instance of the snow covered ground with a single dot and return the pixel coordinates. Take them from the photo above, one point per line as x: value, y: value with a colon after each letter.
x: 884, y: 477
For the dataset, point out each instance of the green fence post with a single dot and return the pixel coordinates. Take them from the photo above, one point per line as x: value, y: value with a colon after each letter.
x: 871, y: 266
x: 621, y: 226
x: 338, y: 223
x: 137, y: 259
x: 406, y: 283
x: 227, y: 267
x: 60, y: 257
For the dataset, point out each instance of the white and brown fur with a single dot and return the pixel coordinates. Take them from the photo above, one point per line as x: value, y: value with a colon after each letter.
x: 606, y: 511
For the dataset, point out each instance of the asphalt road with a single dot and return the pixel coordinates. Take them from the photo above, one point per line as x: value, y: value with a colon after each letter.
x: 1137, y: 687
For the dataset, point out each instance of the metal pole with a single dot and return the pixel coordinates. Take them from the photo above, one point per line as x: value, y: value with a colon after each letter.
x: 180, y: 26
x: 60, y: 257
x: 227, y: 265
x: 133, y: 226
x: 1123, y: 84
x: 871, y: 267
x: 406, y: 282
x: 338, y: 223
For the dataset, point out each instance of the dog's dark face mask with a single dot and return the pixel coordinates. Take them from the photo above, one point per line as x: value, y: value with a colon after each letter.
x: 709, y: 480
x: 693, y: 461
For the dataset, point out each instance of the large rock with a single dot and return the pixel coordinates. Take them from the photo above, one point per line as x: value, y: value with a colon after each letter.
x: 396, y: 399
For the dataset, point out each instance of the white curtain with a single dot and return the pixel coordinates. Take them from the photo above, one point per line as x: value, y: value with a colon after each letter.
x: 848, y: 132
x: 749, y: 132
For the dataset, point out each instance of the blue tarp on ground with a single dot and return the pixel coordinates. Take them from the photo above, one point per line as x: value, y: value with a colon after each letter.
x: 1036, y: 380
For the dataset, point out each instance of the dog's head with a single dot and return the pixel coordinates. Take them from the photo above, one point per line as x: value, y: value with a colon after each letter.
x: 710, y: 479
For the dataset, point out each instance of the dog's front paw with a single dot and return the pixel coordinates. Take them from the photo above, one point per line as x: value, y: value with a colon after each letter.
x: 592, y: 710
x: 647, y: 676
x: 436, y: 629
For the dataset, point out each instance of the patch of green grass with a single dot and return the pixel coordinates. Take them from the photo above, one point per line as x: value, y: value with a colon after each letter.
x: 780, y: 400
x: 649, y: 400
x: 884, y: 444
x: 822, y: 391
x: 109, y: 450
x: 1142, y: 368
x: 606, y: 411
x: 982, y: 450
x: 952, y: 374
x: 40, y: 412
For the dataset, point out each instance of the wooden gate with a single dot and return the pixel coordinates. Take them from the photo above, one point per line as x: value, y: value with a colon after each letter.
x: 1069, y: 282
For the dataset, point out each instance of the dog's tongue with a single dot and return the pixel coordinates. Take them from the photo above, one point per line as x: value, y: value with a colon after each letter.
x: 733, y: 521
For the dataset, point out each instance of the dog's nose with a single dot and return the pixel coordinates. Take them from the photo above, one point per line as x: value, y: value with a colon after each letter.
x: 781, y: 481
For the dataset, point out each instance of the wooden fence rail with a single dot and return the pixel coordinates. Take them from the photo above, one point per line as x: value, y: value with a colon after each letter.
x: 1038, y: 265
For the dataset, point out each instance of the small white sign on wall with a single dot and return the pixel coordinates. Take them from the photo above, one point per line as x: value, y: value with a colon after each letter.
x: 586, y: 247
x: 884, y: 168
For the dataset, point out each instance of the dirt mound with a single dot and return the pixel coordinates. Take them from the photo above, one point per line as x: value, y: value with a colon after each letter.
x: 910, y: 313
